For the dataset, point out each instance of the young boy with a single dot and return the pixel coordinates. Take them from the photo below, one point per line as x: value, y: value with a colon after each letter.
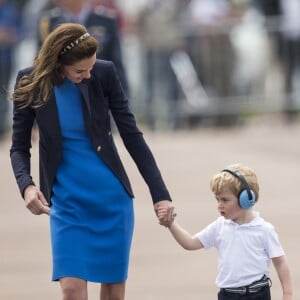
x: 245, y: 242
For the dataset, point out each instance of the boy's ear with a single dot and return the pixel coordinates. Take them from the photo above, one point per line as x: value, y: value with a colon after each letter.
x: 246, y: 197
x: 244, y: 200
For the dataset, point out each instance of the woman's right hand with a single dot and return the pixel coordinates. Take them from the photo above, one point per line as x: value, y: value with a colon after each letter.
x: 35, y: 201
x: 165, y: 215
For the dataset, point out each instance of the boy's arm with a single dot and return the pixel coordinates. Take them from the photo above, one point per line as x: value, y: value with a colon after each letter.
x: 184, y: 238
x: 282, y: 269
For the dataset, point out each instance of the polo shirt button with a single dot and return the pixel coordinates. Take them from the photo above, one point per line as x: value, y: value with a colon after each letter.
x: 99, y: 148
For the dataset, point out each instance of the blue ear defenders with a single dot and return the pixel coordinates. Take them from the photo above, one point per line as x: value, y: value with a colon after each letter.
x: 246, y: 197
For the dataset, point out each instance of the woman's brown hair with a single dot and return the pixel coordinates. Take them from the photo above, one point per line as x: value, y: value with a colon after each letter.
x: 34, y: 89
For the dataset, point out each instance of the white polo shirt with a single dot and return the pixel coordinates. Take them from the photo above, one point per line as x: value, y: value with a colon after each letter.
x: 244, y: 251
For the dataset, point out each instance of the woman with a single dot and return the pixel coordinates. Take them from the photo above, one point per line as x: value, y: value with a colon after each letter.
x: 83, y: 185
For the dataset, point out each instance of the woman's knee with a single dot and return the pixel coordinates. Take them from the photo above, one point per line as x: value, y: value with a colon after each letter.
x: 113, y: 291
x: 73, y: 288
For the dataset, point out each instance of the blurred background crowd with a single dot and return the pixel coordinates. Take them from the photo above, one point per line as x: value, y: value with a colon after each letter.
x: 182, y: 63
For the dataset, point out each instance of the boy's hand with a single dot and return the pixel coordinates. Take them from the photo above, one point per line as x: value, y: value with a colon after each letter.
x: 166, y: 216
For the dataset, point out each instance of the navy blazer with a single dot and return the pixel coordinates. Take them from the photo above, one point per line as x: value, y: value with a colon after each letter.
x: 102, y: 93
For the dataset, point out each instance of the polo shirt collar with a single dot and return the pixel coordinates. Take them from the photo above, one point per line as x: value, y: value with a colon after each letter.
x: 256, y: 221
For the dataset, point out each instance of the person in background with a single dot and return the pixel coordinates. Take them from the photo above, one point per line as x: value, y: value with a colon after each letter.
x: 10, y: 29
x: 114, y: 9
x: 290, y: 56
x: 213, y: 53
x: 30, y: 15
x: 158, y: 30
x: 83, y: 184
x: 285, y: 15
x: 245, y: 242
x: 99, y: 21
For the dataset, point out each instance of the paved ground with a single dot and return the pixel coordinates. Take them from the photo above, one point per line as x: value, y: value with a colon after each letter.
x: 159, y: 268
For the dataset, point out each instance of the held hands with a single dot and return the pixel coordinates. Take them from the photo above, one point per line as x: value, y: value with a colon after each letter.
x: 165, y: 212
x: 35, y: 201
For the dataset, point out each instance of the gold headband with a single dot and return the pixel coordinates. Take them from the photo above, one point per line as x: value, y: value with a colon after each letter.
x: 74, y: 43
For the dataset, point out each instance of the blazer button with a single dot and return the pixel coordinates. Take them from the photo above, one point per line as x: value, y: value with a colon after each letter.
x: 109, y: 133
x: 98, y: 148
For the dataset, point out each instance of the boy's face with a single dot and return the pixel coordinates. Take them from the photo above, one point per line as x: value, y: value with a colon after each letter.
x: 228, y: 206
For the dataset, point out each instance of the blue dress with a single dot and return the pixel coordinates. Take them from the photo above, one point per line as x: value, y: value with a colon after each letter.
x: 92, y: 217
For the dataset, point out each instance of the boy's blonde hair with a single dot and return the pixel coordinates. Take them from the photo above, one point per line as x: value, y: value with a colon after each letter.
x: 226, y: 181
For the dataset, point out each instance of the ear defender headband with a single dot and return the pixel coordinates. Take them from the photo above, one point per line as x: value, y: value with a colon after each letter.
x: 246, y: 197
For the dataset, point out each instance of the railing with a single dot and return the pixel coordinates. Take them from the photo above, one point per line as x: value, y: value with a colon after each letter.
x: 240, y: 69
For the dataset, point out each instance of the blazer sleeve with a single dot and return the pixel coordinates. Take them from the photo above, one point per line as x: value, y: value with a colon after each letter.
x: 23, y: 119
x: 133, y: 138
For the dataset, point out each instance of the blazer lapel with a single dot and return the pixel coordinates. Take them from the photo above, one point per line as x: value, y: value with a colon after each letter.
x: 48, y: 120
x: 87, y: 113
x: 85, y: 94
